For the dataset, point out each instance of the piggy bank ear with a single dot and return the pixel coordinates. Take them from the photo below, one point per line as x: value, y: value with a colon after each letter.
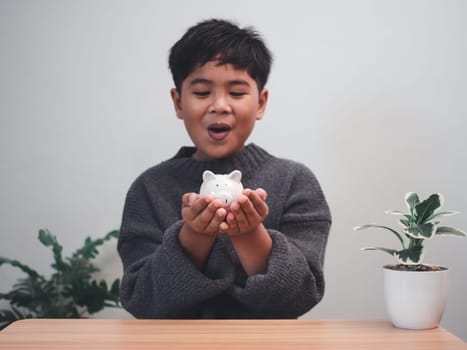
x: 208, y: 176
x: 235, y: 175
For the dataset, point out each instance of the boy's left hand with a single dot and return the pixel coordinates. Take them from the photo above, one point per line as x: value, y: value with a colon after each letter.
x: 246, y: 213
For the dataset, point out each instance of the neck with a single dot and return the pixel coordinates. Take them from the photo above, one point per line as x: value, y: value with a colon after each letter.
x: 246, y: 161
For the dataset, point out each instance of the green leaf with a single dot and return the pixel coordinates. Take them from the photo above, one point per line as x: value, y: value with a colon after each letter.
x: 31, y: 294
x: 444, y: 230
x: 410, y: 256
x: 423, y: 231
x: 15, y: 263
x: 50, y: 240
x: 408, y: 217
x: 115, y: 289
x: 394, y: 212
x: 112, y: 234
x: 411, y: 199
x: 55, y: 297
x: 92, y: 296
x: 89, y: 249
x: 46, y: 238
x: 426, y: 208
x: 442, y: 213
x: 386, y: 250
x: 365, y: 226
x: 404, y: 222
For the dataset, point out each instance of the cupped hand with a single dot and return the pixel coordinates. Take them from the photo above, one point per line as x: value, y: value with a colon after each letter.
x: 246, y: 213
x: 203, y: 214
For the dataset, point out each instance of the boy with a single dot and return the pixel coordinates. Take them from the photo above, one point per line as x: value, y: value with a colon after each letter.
x: 185, y: 255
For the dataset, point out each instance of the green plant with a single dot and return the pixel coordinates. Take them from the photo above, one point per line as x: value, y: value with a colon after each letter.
x: 70, y: 292
x: 418, y: 225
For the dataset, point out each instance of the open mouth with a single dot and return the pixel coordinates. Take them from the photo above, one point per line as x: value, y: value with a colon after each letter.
x: 219, y: 131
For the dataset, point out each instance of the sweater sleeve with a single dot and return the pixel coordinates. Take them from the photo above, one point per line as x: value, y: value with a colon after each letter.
x: 294, y: 281
x: 159, y: 281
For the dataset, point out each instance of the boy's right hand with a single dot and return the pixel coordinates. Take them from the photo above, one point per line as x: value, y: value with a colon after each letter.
x: 202, y: 214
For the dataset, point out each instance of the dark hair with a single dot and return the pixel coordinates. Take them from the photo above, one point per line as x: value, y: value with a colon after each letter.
x: 223, y: 41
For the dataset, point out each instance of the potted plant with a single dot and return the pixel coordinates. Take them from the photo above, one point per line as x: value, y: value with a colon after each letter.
x: 415, y: 293
x: 70, y: 292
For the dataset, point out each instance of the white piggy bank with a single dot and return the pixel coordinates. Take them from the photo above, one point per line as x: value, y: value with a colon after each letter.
x: 226, y: 187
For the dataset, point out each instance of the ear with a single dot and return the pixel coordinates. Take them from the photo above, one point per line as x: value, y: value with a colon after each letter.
x: 263, y: 100
x: 236, y: 175
x: 177, y: 101
x: 208, y: 176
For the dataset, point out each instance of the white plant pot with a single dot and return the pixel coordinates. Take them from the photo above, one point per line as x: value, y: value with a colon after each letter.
x: 415, y: 299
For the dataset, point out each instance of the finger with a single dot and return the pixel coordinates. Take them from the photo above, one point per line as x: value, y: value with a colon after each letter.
x: 193, y: 205
x: 259, y: 191
x: 202, y: 221
x: 187, y: 198
x: 200, y: 202
x: 224, y: 227
x: 230, y: 226
x: 240, y: 209
x: 218, y: 218
x: 188, y: 213
x: 257, y: 199
x: 262, y: 193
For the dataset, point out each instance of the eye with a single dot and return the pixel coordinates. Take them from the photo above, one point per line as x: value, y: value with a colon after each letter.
x: 237, y: 93
x: 201, y: 93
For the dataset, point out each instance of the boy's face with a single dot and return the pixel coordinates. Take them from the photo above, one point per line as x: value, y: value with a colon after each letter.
x: 219, y: 105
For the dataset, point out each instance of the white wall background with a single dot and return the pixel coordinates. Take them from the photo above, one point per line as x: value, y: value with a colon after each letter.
x: 372, y: 95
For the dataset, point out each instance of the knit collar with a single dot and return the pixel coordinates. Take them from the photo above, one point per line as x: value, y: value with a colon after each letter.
x: 250, y: 159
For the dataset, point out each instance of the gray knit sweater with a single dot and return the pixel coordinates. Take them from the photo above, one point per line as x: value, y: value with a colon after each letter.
x: 159, y: 281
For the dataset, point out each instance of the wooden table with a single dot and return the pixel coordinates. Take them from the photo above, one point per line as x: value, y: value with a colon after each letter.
x: 221, y: 335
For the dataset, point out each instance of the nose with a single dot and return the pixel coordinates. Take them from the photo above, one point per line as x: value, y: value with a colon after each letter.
x: 220, y: 104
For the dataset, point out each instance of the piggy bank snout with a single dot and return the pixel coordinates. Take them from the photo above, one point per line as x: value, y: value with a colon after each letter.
x: 225, y: 197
